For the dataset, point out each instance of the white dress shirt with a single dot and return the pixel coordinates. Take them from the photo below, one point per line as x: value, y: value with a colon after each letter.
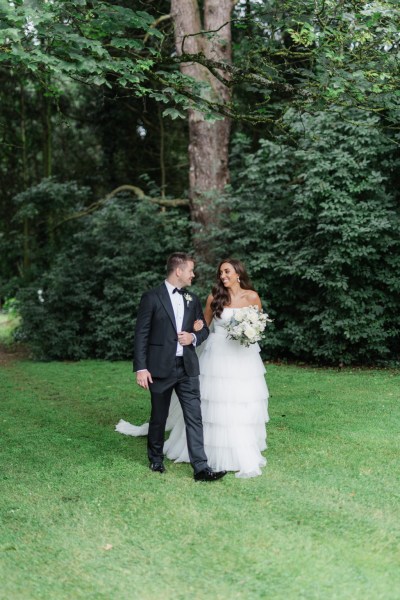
x: 179, y: 310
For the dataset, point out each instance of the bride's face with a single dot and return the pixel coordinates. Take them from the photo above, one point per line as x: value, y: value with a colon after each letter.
x: 228, y: 275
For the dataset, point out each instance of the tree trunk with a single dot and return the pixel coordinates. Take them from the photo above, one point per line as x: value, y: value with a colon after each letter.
x: 47, y: 160
x: 162, y: 154
x: 26, y: 260
x: 47, y: 145
x: 208, y: 142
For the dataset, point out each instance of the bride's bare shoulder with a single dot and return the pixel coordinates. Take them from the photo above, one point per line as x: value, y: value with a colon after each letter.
x: 253, y: 298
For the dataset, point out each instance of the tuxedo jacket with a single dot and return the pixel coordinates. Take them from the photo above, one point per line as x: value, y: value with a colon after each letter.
x: 156, y: 336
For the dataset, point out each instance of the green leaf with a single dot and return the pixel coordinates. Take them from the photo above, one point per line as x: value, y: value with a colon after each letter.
x: 173, y: 113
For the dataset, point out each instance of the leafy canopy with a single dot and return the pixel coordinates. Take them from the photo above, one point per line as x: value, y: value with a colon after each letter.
x: 309, y: 54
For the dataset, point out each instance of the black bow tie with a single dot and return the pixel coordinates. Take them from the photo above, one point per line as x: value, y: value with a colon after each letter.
x: 181, y: 292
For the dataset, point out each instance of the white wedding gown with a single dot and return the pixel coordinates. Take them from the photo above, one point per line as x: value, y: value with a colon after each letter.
x: 234, y: 406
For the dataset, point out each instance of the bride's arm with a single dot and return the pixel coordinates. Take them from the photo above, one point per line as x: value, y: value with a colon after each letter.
x: 208, y: 316
x: 208, y: 313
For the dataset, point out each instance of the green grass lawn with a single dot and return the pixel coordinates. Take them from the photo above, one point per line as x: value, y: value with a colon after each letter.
x: 82, y: 517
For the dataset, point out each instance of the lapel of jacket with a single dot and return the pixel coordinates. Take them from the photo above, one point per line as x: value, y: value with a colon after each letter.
x: 166, y: 302
x: 186, y: 312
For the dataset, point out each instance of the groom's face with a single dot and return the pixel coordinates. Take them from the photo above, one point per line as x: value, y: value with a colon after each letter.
x: 185, y: 273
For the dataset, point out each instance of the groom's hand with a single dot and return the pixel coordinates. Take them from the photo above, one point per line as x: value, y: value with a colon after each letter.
x: 185, y: 338
x: 143, y: 378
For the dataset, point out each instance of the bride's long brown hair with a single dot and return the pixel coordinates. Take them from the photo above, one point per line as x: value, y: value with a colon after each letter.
x: 221, y: 295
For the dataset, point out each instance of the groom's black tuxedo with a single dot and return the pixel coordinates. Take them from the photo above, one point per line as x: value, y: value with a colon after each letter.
x: 156, y: 335
x: 156, y: 340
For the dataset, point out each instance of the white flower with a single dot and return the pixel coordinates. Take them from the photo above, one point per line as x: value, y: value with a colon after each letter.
x: 247, y: 325
x: 239, y: 315
x: 253, y: 318
x: 250, y: 332
x: 188, y: 298
x: 40, y: 295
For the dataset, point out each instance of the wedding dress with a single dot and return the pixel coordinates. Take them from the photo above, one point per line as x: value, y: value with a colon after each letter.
x: 234, y: 406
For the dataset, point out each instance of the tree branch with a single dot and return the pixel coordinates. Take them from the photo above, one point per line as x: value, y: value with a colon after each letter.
x: 202, y: 32
x: 154, y: 24
x: 138, y: 192
x: 236, y: 72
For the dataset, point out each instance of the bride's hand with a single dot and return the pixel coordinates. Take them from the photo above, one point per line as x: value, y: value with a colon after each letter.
x: 198, y: 325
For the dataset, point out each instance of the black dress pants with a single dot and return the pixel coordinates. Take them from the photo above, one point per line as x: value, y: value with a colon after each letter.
x: 188, y: 391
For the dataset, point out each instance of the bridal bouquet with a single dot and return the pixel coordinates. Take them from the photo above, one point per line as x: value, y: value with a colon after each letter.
x: 247, y: 325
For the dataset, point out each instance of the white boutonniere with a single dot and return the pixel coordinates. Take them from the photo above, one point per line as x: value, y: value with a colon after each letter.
x: 188, y: 298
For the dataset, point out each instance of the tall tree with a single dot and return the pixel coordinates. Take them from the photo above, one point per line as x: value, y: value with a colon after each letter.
x: 208, y: 141
x: 309, y: 55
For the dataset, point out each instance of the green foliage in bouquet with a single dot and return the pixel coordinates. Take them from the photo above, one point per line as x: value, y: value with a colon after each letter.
x: 317, y: 224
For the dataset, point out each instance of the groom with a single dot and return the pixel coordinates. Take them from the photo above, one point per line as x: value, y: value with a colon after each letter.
x: 166, y: 360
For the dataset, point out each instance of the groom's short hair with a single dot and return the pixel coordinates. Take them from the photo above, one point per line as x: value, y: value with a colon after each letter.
x: 177, y: 259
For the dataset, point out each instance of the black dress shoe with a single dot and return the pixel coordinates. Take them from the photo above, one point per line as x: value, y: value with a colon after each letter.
x: 209, y: 475
x: 158, y: 467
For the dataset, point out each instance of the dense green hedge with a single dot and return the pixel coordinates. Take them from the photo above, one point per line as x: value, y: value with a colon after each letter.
x: 89, y: 297
x: 315, y: 218
x: 319, y: 226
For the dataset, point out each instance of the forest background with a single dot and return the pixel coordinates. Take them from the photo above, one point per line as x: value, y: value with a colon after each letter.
x: 265, y: 130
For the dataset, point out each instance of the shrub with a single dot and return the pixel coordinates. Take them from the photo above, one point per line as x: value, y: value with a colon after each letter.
x: 39, y: 209
x: 91, y: 293
x: 319, y: 227
x: 10, y: 306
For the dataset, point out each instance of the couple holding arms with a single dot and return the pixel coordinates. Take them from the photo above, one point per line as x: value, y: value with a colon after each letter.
x: 219, y: 396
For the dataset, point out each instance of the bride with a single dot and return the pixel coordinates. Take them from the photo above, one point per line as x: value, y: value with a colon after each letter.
x: 234, y: 395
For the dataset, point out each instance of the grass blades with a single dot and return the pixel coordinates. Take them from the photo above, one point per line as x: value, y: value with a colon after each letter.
x: 82, y: 516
